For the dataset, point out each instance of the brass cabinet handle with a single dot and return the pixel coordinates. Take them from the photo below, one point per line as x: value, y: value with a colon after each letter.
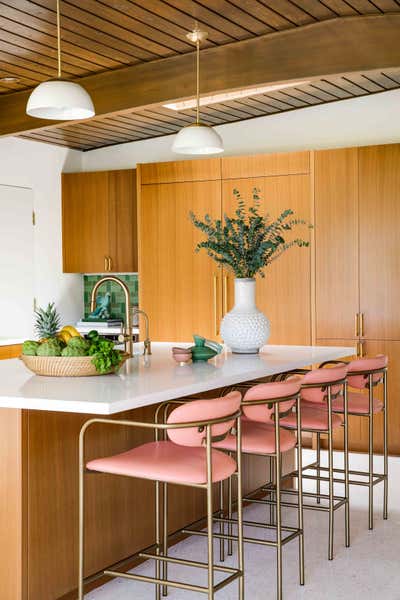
x: 225, y: 294
x: 356, y: 325
x: 110, y: 263
x: 105, y: 263
x: 360, y: 349
x: 362, y: 324
x: 215, y: 290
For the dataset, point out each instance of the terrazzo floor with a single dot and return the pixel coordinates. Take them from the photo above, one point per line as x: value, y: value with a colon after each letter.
x: 368, y: 570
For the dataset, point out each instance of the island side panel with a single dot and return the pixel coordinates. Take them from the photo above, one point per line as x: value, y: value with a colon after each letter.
x: 13, y: 499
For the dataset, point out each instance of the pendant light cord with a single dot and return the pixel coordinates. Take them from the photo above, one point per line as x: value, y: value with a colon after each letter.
x: 198, y: 82
x: 58, y: 40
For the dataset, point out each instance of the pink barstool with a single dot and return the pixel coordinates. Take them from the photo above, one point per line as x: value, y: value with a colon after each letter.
x: 186, y: 458
x: 320, y: 388
x: 263, y: 406
x: 368, y: 374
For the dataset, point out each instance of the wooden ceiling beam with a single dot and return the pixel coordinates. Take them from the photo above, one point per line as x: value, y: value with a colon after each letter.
x: 331, y: 47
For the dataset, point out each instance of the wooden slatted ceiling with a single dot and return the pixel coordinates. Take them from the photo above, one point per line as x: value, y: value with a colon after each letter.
x: 159, y: 121
x: 99, y: 35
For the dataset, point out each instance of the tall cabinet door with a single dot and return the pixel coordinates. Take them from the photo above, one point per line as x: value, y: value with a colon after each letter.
x: 284, y: 294
x: 181, y: 289
x: 336, y: 243
x: 379, y: 241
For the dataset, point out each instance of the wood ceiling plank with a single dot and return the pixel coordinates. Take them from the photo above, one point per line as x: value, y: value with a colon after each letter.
x: 298, y: 94
x: 295, y: 102
x: 291, y: 11
x: 165, y: 11
x: 43, y: 44
x: 94, y: 133
x: 241, y: 15
x: 140, y: 126
x: 221, y: 21
x: 393, y: 74
x: 364, y: 7
x: 266, y: 102
x: 364, y: 82
x: 321, y: 94
x: 348, y: 85
x: 173, y: 117
x: 318, y: 10
x: 332, y: 88
x: 41, y: 63
x: 341, y: 7
x: 354, y: 44
x: 74, y: 137
x: 41, y: 137
x: 141, y: 14
x: 387, y: 5
x: 150, y: 38
x: 72, y: 42
x: 122, y: 130
x: 384, y: 80
x: 264, y: 13
x: 258, y: 105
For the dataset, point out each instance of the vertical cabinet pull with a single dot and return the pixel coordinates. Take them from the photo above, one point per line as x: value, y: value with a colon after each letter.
x: 110, y: 263
x: 356, y: 325
x: 225, y: 294
x: 215, y: 291
x: 360, y: 349
x: 105, y: 263
x: 362, y: 324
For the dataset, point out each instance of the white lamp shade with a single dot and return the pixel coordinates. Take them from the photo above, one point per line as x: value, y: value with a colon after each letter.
x: 60, y: 100
x: 197, y: 138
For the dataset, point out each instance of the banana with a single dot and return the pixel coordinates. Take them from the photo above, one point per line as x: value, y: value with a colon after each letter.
x: 64, y: 335
x: 71, y: 330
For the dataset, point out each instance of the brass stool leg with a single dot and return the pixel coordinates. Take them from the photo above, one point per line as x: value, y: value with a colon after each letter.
x: 300, y: 519
x: 385, y: 449
x: 371, y: 456
x: 221, y: 524
x: 272, y: 477
x: 230, y: 528
x: 346, y: 468
x: 331, y: 484
x: 318, y: 464
x: 210, y: 517
x: 81, y: 533
x: 158, y: 538
x: 240, y: 510
x: 165, y: 537
x: 278, y: 507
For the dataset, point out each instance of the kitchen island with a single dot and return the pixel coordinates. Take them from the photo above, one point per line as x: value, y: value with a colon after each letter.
x: 40, y: 419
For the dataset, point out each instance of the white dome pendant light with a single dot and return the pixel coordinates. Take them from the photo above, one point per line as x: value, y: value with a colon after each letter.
x: 197, y: 138
x: 58, y: 99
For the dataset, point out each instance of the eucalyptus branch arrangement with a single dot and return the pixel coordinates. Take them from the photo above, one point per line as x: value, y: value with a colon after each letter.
x: 249, y: 241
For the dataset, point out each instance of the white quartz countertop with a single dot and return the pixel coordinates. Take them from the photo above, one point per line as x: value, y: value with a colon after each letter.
x: 11, y: 341
x: 143, y: 381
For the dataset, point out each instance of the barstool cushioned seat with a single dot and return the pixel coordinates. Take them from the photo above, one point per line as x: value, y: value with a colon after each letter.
x: 168, y: 462
x: 312, y: 417
x: 358, y: 404
x: 258, y: 438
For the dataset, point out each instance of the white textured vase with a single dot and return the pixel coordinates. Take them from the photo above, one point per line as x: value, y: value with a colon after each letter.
x: 245, y: 329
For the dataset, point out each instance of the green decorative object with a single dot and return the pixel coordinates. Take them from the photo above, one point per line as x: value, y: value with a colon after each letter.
x: 47, y: 321
x: 103, y: 306
x: 204, y: 349
x: 117, y: 308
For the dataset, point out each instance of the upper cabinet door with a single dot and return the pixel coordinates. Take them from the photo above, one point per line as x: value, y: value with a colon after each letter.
x: 336, y: 243
x: 379, y: 241
x: 284, y: 295
x: 99, y: 222
x: 85, y: 222
x: 181, y: 290
x: 123, y: 221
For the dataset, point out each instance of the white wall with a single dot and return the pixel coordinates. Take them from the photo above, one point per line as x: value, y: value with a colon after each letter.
x: 357, y: 122
x: 38, y: 166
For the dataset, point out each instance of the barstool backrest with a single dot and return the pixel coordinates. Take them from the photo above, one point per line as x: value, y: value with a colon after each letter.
x: 324, y: 377
x: 268, y: 391
x: 366, y: 365
x: 203, y: 411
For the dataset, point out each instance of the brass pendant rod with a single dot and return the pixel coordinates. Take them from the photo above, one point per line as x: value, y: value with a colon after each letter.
x: 198, y: 82
x: 58, y: 40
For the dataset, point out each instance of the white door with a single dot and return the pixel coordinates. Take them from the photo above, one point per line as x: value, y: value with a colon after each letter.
x: 16, y: 262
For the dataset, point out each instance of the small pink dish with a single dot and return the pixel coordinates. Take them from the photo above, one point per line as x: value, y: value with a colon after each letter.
x: 181, y: 355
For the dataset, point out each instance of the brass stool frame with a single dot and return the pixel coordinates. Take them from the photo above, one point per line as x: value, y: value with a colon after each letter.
x: 211, y: 588
x: 281, y: 538
x: 334, y: 501
x: 372, y: 478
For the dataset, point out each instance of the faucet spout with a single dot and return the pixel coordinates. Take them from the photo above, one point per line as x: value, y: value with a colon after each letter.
x: 146, y: 341
x: 127, y: 328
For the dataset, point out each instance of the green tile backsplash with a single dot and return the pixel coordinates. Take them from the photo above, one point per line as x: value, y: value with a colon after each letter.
x: 117, y: 295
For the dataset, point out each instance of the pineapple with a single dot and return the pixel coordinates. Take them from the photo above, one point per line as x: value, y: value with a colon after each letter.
x: 47, y: 321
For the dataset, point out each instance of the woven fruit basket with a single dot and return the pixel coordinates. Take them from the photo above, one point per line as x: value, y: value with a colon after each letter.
x: 66, y: 366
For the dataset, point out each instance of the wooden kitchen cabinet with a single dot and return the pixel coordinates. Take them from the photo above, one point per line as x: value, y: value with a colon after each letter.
x: 379, y: 241
x: 284, y: 295
x: 336, y: 243
x: 179, y: 289
x: 99, y: 222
